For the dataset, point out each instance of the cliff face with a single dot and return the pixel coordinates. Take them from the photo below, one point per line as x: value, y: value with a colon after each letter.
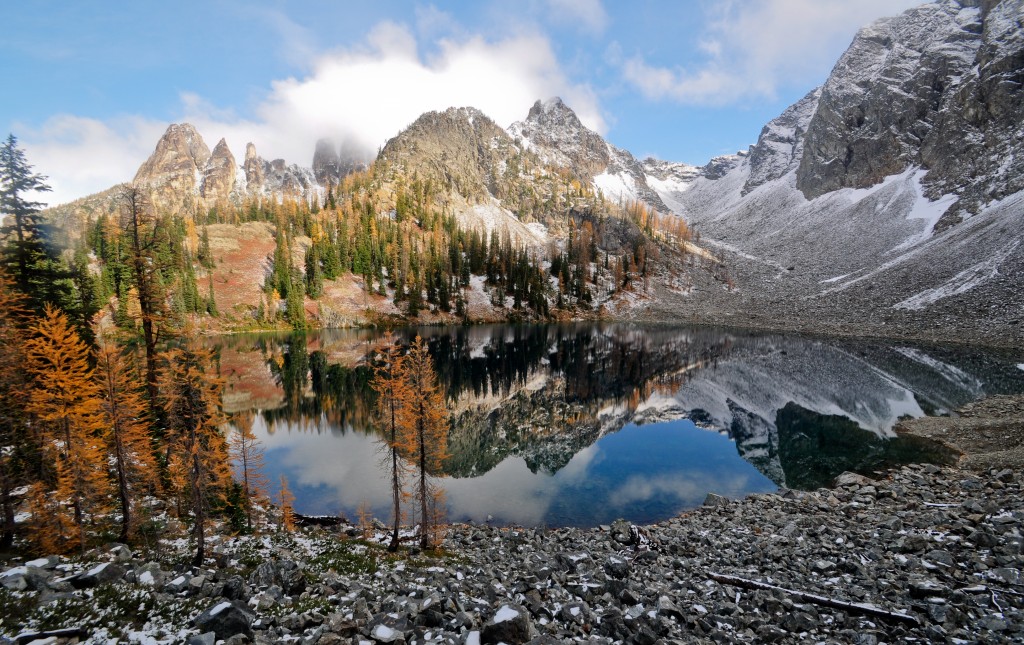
x: 938, y: 87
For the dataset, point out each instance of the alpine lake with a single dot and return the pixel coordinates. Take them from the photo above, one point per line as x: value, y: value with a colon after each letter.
x: 579, y: 425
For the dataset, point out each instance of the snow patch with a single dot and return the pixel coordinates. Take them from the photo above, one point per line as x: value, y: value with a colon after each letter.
x: 960, y: 283
x: 219, y: 608
x: 617, y: 187
x: 505, y: 613
x: 383, y: 633
x: 924, y: 209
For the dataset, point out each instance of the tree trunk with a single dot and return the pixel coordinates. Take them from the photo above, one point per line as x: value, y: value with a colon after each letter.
x: 424, y: 521
x: 396, y: 488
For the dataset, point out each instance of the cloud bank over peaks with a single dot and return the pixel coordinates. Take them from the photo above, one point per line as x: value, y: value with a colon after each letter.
x: 369, y: 92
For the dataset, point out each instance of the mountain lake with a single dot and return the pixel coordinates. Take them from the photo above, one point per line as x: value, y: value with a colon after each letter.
x: 582, y: 424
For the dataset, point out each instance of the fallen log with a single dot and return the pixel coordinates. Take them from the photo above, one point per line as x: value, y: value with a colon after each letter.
x: 816, y: 599
x: 75, y: 633
x: 317, y: 520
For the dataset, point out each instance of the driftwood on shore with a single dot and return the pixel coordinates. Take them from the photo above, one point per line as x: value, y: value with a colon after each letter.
x: 816, y: 599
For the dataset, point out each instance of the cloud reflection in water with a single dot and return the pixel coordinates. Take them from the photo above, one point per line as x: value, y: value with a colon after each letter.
x: 641, y: 473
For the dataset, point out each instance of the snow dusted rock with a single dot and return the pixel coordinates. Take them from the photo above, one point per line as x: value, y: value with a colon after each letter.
x: 121, y: 553
x: 100, y: 574
x: 14, y: 579
x: 225, y: 619
x: 284, y: 574
x: 510, y: 624
x: 151, y: 575
x: 779, y: 147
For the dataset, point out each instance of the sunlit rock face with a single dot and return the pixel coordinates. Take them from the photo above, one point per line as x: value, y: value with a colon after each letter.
x: 219, y: 175
x: 175, y: 169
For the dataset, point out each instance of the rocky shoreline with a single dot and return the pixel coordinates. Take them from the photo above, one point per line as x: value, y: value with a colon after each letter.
x: 922, y: 554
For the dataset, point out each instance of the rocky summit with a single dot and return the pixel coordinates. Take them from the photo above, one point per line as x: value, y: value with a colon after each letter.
x: 922, y: 554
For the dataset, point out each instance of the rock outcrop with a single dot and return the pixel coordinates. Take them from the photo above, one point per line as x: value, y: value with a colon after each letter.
x: 176, y: 167
x: 253, y: 167
x: 182, y: 172
x: 219, y: 175
x: 326, y: 163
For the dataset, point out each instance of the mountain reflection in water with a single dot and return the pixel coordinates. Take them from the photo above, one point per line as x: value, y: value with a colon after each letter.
x: 582, y: 424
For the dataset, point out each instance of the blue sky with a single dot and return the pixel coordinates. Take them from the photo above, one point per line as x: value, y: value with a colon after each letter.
x: 91, y: 85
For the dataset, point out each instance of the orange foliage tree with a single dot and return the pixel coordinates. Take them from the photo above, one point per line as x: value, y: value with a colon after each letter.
x: 388, y: 383
x: 126, y: 432
x: 287, y: 506
x: 246, y: 453
x: 198, y: 463
x: 422, y: 431
x: 66, y: 402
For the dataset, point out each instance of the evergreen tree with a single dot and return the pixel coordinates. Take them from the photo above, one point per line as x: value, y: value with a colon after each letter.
x: 15, y: 435
x: 142, y: 231
x: 24, y: 249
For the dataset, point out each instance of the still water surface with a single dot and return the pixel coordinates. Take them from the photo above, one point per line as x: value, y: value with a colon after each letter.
x: 583, y: 424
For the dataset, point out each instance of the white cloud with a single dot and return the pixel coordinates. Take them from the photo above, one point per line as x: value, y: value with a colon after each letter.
x: 81, y: 156
x: 754, y: 48
x: 587, y: 14
x: 369, y: 92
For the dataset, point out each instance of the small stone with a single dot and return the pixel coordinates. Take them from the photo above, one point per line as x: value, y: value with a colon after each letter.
x: 713, y: 499
x: 616, y: 567
x: 206, y: 638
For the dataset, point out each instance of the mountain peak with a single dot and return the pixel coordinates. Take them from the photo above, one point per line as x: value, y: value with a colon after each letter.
x: 553, y: 113
x: 176, y: 165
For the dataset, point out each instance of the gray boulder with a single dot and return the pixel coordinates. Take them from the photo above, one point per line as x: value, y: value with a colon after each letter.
x: 225, y: 619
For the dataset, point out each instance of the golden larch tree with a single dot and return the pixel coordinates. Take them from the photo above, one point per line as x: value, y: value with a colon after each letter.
x: 198, y: 463
x: 423, y: 430
x: 126, y: 432
x: 287, y: 506
x: 388, y: 384
x: 246, y: 454
x: 66, y: 402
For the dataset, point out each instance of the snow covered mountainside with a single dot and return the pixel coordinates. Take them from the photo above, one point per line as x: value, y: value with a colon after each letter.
x: 889, y: 200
